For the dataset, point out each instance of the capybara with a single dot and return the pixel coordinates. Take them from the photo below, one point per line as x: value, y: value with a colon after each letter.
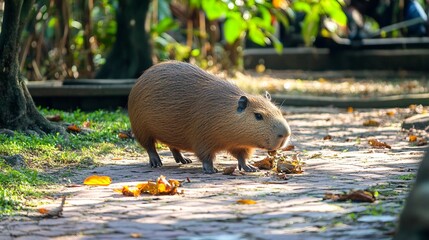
x: 187, y: 109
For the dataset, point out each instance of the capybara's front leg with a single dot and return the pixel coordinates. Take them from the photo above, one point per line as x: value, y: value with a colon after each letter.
x: 242, y: 154
x: 154, y: 159
x: 207, y: 160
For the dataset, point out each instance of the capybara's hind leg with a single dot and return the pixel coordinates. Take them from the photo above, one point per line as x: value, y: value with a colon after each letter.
x: 179, y: 157
x: 154, y: 159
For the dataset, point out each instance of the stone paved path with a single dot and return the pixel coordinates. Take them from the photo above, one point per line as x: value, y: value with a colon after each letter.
x: 291, y: 209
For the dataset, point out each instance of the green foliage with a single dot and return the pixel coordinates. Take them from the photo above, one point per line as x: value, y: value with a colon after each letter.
x: 315, y: 11
x: 246, y: 17
x: 408, y: 177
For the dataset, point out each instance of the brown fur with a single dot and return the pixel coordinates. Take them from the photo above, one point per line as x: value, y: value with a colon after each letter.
x: 188, y: 109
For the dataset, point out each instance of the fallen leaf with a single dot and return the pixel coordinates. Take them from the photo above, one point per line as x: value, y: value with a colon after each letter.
x: 354, y: 196
x: 371, y: 123
x: 96, y: 180
x: 266, y: 163
x: 55, y: 212
x: 289, y: 148
x: 43, y: 210
x: 188, y: 180
x: 117, y: 158
x: 162, y: 186
x: 86, y: 124
x: 391, y: 113
x: 421, y: 142
x: 122, y: 135
x: 327, y: 137
x: 350, y: 110
x: 377, y: 144
x: 54, y: 118
x: 246, y: 201
x: 417, y: 108
x: 73, y: 128
x: 229, y: 170
x: 126, y: 191
x: 290, y: 166
x: 127, y: 134
x: 260, y: 68
x: 135, y: 235
x: 412, y: 138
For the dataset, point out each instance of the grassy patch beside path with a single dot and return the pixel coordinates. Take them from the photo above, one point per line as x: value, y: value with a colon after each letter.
x: 50, y: 152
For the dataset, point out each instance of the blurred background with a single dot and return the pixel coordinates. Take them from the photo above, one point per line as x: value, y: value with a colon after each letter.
x: 360, y: 48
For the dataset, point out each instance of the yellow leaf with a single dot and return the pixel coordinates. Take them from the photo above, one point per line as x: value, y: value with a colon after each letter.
x: 350, y: 110
x: 96, y: 180
x: 246, y: 201
x: 371, y: 123
x: 412, y: 138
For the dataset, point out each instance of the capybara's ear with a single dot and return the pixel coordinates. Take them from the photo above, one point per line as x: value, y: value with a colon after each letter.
x: 268, y: 95
x: 242, y: 104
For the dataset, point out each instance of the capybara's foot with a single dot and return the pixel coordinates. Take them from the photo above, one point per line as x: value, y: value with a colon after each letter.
x: 179, y: 157
x: 155, y: 160
x: 210, y: 170
x: 247, y: 167
x: 208, y: 167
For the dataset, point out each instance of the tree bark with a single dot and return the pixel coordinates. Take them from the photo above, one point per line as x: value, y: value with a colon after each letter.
x: 17, y: 109
x: 414, y: 220
x: 130, y: 54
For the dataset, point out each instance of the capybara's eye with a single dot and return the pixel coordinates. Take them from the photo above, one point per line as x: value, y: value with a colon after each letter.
x: 258, y: 116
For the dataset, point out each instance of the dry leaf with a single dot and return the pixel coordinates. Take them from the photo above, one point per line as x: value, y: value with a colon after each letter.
x: 421, y: 142
x: 125, y: 134
x: 126, y: 191
x: 73, y: 128
x: 260, y: 68
x: 412, y: 138
x: 55, y: 212
x: 377, y: 144
x: 43, y: 210
x: 86, y: 124
x: 96, y: 180
x: 355, y: 196
x: 136, y: 235
x: 371, y: 123
x: 246, y: 201
x: 350, y: 109
x: 162, y: 186
x: 289, y: 148
x: 327, y: 137
x: 54, y: 118
x: 122, y: 135
x: 229, y: 170
x: 391, y: 113
x: 290, y: 166
x: 117, y: 158
x: 266, y: 163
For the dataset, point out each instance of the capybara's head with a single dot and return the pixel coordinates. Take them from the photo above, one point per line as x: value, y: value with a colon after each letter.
x: 265, y: 126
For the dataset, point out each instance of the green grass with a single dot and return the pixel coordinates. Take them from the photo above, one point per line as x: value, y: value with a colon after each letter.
x: 407, y: 177
x: 17, y: 187
x: 58, y: 152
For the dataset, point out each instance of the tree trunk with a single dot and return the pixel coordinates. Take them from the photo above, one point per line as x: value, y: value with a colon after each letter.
x: 414, y: 220
x: 17, y: 109
x: 131, y: 53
